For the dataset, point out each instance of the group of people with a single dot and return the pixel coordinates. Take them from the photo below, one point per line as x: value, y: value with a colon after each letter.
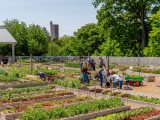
x: 103, y: 75
x: 91, y: 65
x: 109, y: 77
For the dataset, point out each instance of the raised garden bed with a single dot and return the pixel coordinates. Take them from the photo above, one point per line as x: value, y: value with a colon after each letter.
x: 26, y: 90
x: 99, y: 113
x: 133, y: 97
x: 35, y: 98
x: 136, y: 114
x: 154, y: 118
x: 22, y: 85
x: 97, y: 90
x: 72, y: 110
x: 14, y: 113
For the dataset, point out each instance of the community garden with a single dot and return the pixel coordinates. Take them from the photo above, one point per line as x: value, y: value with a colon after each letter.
x: 61, y: 95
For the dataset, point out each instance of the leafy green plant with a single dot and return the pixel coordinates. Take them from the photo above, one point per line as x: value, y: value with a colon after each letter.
x: 8, y: 79
x: 73, y: 110
x: 140, y: 98
x: 72, y: 64
x: 2, y: 72
x: 73, y: 83
x: 35, y: 114
x: 15, y: 91
x: 125, y: 115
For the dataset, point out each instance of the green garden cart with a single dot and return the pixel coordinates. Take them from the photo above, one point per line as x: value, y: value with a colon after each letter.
x: 134, y: 80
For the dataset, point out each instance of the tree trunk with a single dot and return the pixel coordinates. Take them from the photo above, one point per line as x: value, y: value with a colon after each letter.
x: 31, y: 63
x: 143, y: 27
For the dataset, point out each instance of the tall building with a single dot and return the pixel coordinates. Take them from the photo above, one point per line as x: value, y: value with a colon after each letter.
x: 54, y: 30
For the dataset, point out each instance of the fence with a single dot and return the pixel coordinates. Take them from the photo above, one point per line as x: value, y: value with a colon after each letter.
x: 144, y: 61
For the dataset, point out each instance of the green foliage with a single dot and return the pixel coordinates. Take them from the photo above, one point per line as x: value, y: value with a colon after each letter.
x: 31, y: 39
x: 65, y: 46
x: 123, y: 29
x: 7, y: 94
x: 2, y: 72
x: 38, y: 40
x: 139, y: 98
x: 8, y: 79
x: 88, y: 39
x: 153, y: 48
x: 155, y: 71
x: 35, y: 114
x: 145, y: 99
x: 73, y: 83
x: 19, y: 31
x: 125, y: 23
x: 72, y: 110
x: 125, y: 115
x: 48, y: 72
x: 24, y: 90
x: 5, y: 49
x: 72, y: 64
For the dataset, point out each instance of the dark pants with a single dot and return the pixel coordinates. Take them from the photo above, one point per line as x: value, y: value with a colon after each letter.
x: 85, y: 77
x: 93, y: 68
x: 107, y: 84
x: 118, y: 82
x: 101, y: 79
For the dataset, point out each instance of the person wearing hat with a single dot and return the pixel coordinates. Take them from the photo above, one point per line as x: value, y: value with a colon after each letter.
x: 101, y: 62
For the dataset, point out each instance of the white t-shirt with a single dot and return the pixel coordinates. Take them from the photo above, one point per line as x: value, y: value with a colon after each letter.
x: 116, y: 77
x: 104, y: 72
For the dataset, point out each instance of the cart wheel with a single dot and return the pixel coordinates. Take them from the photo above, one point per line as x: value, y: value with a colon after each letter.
x: 137, y: 83
x: 141, y: 83
x: 130, y: 83
x: 127, y: 83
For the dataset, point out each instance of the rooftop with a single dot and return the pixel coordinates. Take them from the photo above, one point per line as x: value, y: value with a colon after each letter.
x: 6, y: 37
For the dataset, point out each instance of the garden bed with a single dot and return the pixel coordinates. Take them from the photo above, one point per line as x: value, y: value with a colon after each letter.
x: 25, y: 100
x: 99, y: 113
x: 135, y: 114
x: 22, y: 85
x: 72, y: 110
x: 143, y: 99
x: 14, y: 113
x: 26, y: 90
x: 154, y: 118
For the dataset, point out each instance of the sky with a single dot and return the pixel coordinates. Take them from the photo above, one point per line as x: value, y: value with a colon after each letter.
x: 69, y: 14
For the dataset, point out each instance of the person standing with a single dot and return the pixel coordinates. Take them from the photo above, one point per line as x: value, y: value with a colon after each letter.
x: 81, y: 64
x: 93, y: 65
x: 85, y: 77
x: 102, y: 74
x: 101, y: 62
x: 89, y: 65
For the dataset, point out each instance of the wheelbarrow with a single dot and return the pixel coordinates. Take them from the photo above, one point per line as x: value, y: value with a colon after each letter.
x: 134, y: 81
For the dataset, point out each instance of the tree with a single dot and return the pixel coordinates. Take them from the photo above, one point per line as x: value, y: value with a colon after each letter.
x: 53, y: 49
x: 127, y: 22
x: 37, y: 40
x: 68, y: 46
x: 109, y: 47
x: 153, y: 48
x: 19, y: 31
x: 88, y: 39
x: 64, y: 46
x: 5, y: 49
